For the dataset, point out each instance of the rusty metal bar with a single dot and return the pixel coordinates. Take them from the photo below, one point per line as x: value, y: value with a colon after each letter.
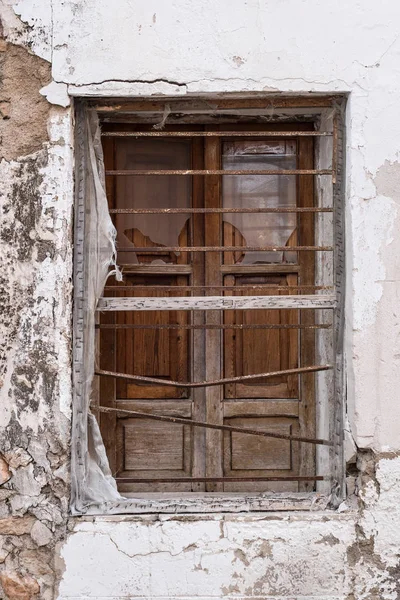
x: 261, y: 134
x: 175, y: 288
x: 134, y: 172
x: 208, y: 326
x: 192, y: 423
x: 151, y: 249
x: 183, y: 211
x: 199, y: 384
x: 219, y: 479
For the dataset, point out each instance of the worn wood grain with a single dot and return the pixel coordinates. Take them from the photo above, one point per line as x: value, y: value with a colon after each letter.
x: 218, y: 303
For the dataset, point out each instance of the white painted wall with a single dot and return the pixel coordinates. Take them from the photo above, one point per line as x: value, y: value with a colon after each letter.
x: 203, y: 46
x: 133, y: 47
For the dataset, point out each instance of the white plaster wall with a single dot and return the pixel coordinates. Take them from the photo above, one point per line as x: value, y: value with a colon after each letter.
x: 345, y: 555
x: 276, y: 556
x: 133, y: 47
x: 200, y: 46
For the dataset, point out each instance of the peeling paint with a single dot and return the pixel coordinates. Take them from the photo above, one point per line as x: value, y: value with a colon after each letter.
x: 22, y: 108
x: 56, y: 93
x: 35, y: 240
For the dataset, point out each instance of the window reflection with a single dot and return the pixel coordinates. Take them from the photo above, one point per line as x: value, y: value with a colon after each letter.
x: 144, y: 191
x: 259, y: 191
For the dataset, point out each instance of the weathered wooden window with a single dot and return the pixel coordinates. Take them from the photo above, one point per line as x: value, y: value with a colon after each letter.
x: 219, y: 354
x: 220, y: 245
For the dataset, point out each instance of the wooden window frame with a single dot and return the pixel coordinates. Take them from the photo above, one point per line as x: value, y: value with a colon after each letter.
x: 240, y: 501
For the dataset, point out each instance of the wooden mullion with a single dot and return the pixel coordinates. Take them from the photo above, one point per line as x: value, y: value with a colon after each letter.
x: 306, y: 227
x: 214, y: 396
x: 198, y: 358
x: 229, y: 337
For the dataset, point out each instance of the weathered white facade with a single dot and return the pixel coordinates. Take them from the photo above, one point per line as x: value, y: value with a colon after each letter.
x: 54, y: 50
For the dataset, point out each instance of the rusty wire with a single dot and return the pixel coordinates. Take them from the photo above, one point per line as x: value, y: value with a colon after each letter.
x: 180, y: 211
x: 176, y: 288
x: 209, y: 326
x: 200, y: 384
x: 262, y: 134
x: 219, y: 479
x: 134, y: 172
x: 150, y: 249
x: 192, y: 423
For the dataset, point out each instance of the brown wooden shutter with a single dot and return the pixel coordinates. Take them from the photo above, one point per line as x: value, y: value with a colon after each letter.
x: 157, y: 344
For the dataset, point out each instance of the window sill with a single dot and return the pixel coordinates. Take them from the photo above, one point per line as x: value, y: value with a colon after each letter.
x: 212, y: 503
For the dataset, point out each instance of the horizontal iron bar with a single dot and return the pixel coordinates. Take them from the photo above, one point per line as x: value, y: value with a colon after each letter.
x: 180, y: 211
x: 294, y: 301
x: 263, y: 134
x: 133, y: 172
x: 132, y: 288
x: 192, y: 423
x: 151, y: 249
x: 217, y: 479
x: 163, y: 269
x: 200, y: 384
x: 208, y: 326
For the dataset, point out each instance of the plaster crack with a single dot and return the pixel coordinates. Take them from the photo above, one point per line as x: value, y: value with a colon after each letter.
x: 151, y: 552
x: 378, y: 61
x: 145, y: 81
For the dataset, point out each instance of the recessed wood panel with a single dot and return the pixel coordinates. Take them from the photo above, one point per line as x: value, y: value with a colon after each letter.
x: 255, y: 456
x: 263, y: 350
x: 258, y: 453
x: 153, y: 445
x: 156, y: 351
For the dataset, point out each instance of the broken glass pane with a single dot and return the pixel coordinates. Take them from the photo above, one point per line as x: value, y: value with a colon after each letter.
x: 259, y: 191
x: 157, y: 191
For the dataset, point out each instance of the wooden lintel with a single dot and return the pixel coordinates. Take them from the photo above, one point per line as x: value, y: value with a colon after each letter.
x: 227, y: 102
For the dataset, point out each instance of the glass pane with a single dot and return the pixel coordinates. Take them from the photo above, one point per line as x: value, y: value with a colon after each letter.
x: 259, y: 191
x: 157, y: 191
x: 152, y: 343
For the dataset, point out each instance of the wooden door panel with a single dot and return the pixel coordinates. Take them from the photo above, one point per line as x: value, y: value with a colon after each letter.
x: 150, y: 449
x: 160, y: 192
x: 160, y: 353
x: 153, y: 449
x: 255, y: 456
x: 252, y: 351
x: 153, y: 445
x: 258, y: 191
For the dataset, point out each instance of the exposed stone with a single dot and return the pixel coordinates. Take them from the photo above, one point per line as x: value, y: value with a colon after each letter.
x: 18, y: 587
x: 5, y: 473
x: 37, y: 562
x: 41, y: 534
x: 18, y: 458
x: 23, y: 108
x: 3, y: 551
x: 25, y: 482
x: 16, y: 525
